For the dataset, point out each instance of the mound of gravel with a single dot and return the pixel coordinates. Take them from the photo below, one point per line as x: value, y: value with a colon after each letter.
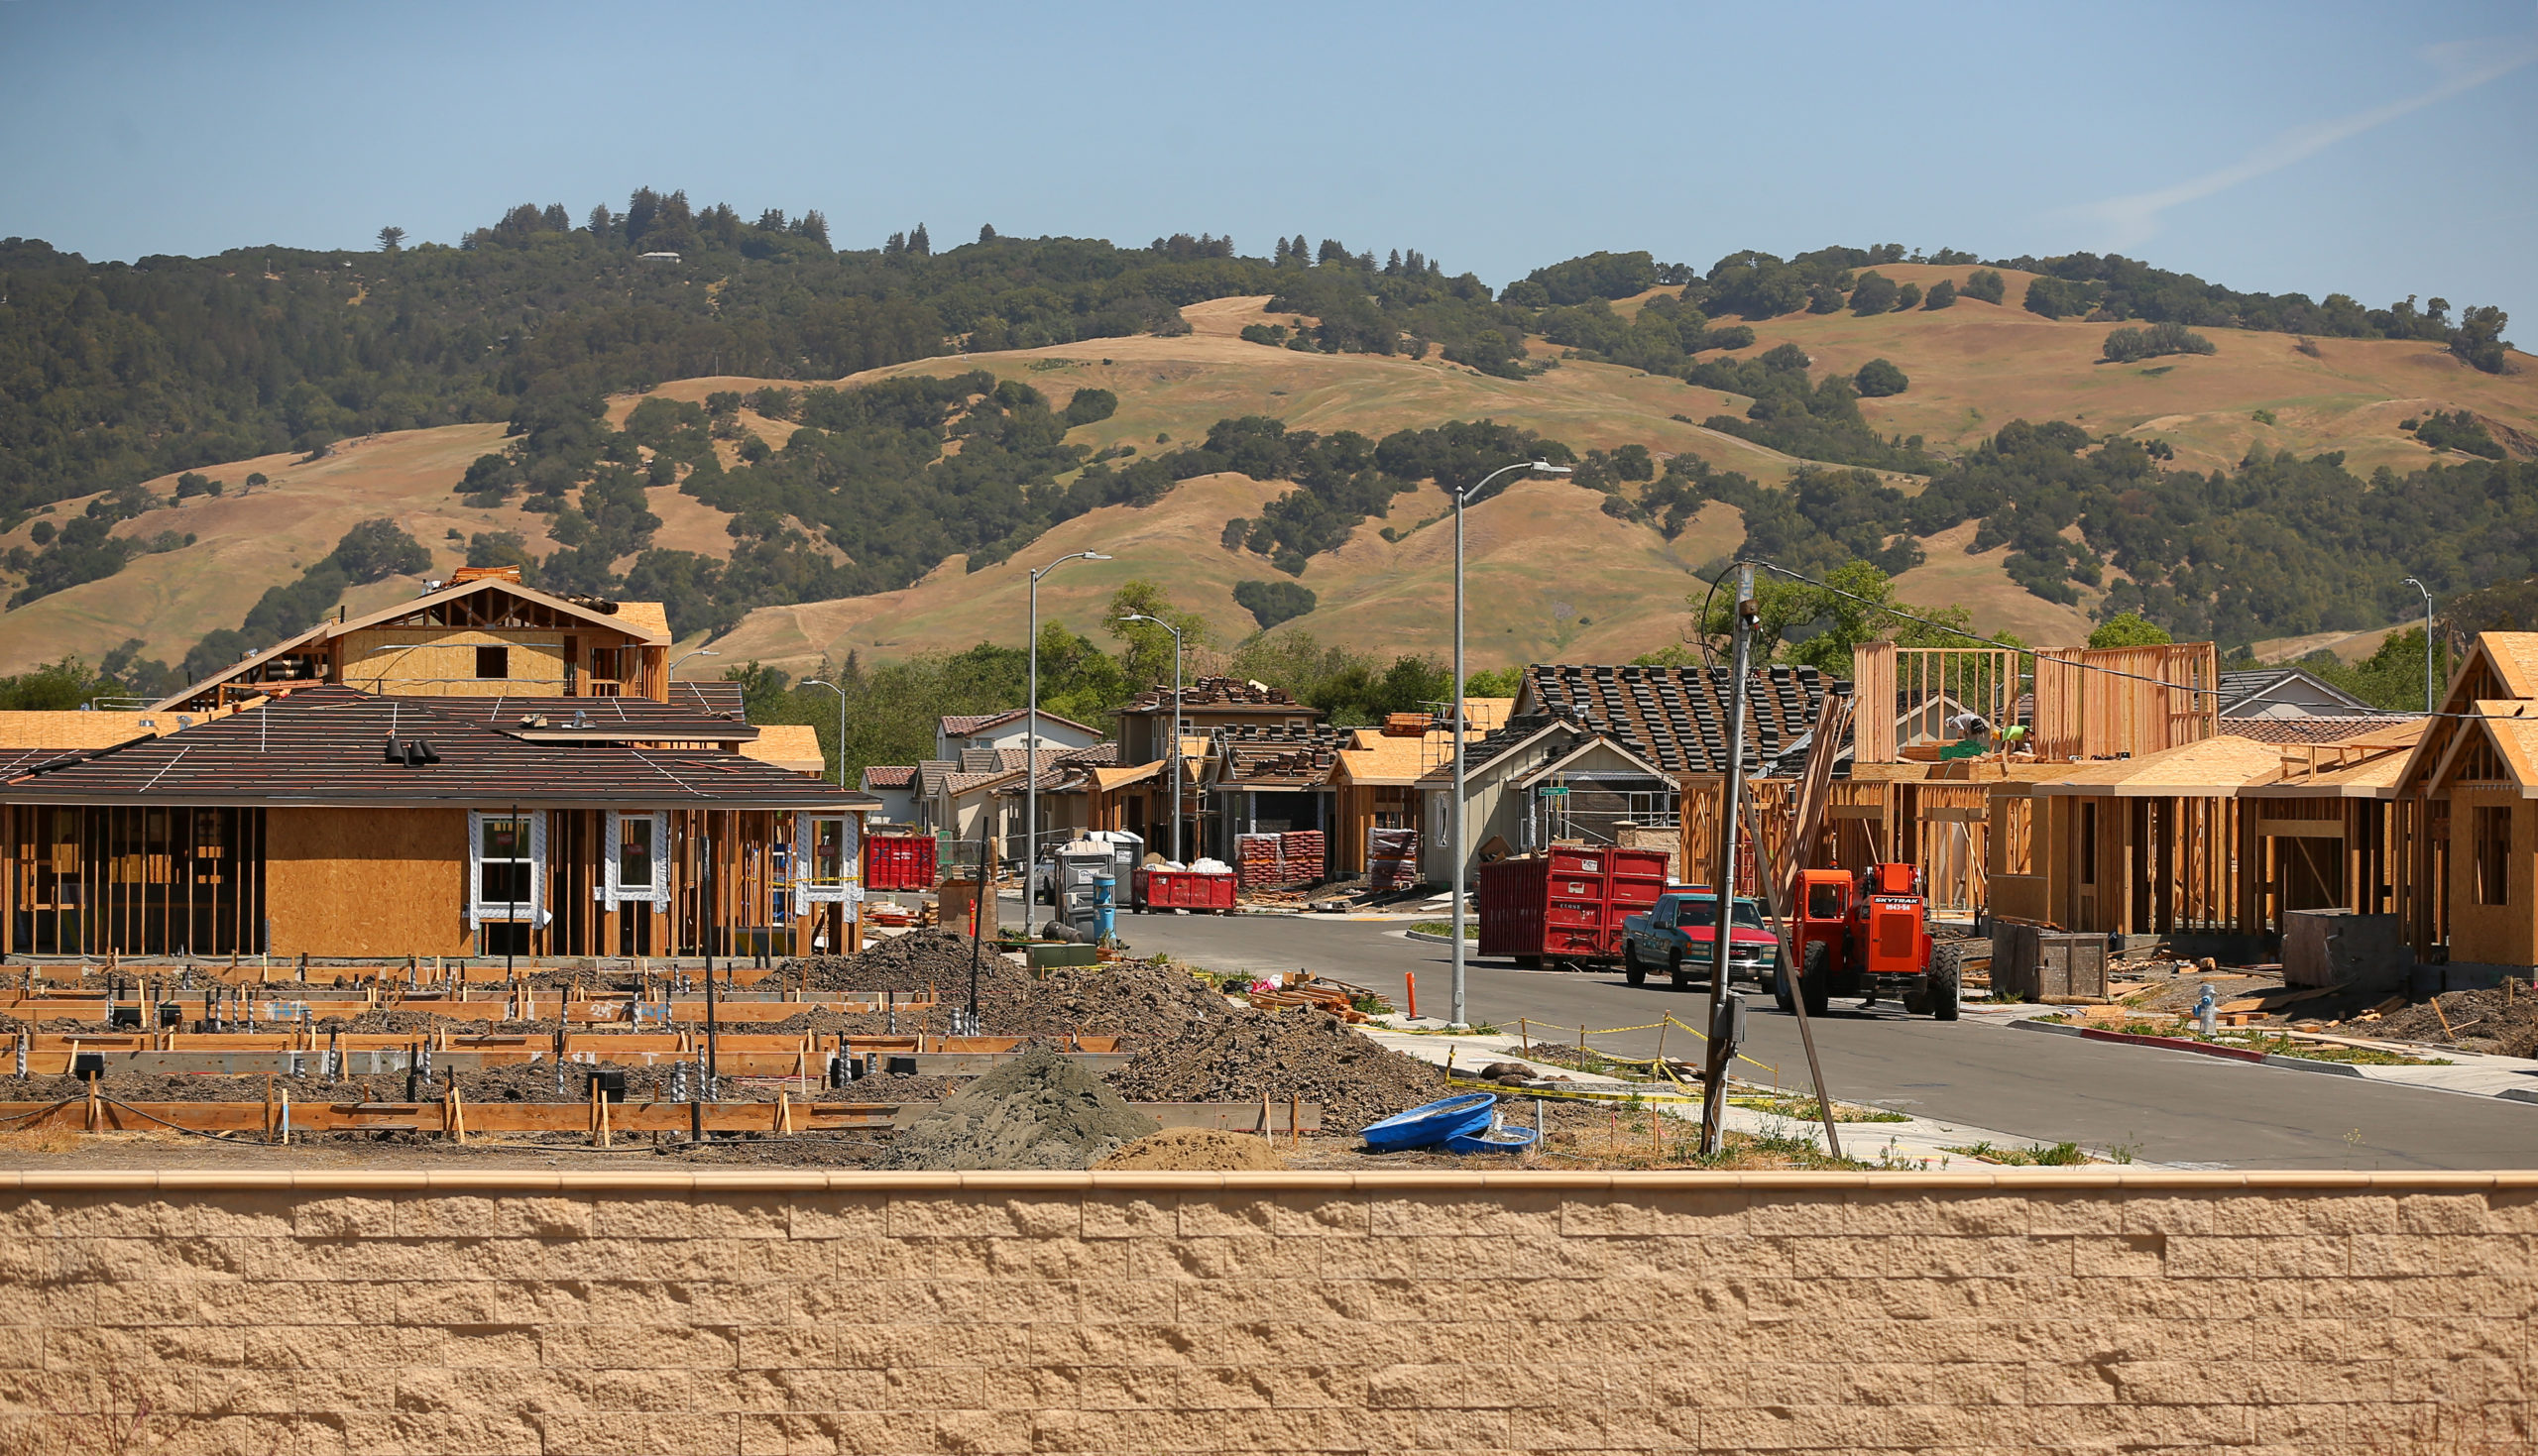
x: 1038, y: 1111
x: 910, y: 962
x: 1308, y: 1055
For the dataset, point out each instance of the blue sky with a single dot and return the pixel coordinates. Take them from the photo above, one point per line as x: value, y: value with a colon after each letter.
x: 2374, y: 150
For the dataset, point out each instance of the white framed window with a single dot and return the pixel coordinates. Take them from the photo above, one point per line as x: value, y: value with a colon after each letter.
x: 638, y: 860
x: 827, y: 859
x: 505, y: 863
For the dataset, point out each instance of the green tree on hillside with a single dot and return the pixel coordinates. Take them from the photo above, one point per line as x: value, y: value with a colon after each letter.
x: 1942, y: 295
x: 1271, y: 603
x: 391, y: 239
x: 2480, y: 339
x: 1090, y: 406
x: 2128, y: 630
x: 1986, y: 285
x: 1875, y: 292
x: 1147, y: 655
x: 1879, y: 378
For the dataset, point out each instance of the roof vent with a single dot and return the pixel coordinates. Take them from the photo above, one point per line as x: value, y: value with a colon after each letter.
x: 411, y: 752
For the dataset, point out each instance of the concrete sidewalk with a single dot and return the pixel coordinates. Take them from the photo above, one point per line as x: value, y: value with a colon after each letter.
x: 2471, y: 1074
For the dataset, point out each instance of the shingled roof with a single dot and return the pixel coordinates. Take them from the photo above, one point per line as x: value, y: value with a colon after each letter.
x: 961, y: 726
x: 326, y: 745
x: 1222, y: 694
x: 1276, y: 756
x: 1674, y: 717
x: 594, y: 720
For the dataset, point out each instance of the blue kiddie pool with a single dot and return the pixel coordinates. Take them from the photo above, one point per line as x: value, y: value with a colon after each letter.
x: 1491, y: 1140
x: 1431, y: 1124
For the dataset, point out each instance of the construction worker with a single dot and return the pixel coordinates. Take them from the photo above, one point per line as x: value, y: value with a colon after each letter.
x: 1973, y: 734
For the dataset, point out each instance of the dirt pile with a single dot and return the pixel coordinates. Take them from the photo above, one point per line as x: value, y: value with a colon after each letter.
x: 1239, y: 1055
x: 1194, y: 1150
x: 2497, y: 1022
x: 1039, y: 1111
x: 909, y: 962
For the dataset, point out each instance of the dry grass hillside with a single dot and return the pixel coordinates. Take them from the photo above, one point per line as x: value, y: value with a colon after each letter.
x: 1550, y: 574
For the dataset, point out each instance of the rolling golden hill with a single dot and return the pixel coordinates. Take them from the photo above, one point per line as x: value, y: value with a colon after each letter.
x: 1550, y: 574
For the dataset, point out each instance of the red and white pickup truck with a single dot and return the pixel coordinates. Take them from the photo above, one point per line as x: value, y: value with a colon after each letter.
x: 1675, y: 936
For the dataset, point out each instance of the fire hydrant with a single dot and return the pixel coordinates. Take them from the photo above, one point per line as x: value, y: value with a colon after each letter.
x: 2204, y: 1009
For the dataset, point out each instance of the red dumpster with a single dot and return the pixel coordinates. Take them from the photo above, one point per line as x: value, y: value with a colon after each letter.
x: 1568, y: 903
x: 1185, y: 889
x: 898, y: 861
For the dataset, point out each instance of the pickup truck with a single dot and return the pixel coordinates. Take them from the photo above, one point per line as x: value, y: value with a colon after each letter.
x: 1674, y: 933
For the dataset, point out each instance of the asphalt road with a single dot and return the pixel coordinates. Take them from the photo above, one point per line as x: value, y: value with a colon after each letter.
x: 2168, y: 1107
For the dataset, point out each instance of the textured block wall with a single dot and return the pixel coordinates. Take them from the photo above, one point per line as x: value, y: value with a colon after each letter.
x: 612, y: 1312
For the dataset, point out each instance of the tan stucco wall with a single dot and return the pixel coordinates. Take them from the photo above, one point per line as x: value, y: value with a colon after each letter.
x: 778, y: 1312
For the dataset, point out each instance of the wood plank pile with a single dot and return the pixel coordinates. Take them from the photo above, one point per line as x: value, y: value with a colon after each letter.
x: 1302, y: 988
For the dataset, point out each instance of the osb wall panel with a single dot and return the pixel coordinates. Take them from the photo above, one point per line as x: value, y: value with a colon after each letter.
x: 367, y: 882
x: 773, y: 1313
x: 442, y: 660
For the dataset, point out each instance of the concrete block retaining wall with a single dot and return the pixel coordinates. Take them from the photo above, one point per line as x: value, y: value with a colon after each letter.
x: 603, y: 1313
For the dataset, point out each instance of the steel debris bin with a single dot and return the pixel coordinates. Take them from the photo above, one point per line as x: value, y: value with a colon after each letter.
x: 2034, y: 963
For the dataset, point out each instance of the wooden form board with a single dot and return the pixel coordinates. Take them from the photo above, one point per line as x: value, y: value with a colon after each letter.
x: 575, y: 1117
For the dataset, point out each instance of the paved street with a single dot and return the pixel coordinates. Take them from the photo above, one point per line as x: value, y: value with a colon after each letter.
x: 2170, y: 1107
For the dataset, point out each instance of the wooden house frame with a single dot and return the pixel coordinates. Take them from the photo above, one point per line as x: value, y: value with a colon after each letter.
x: 2153, y: 845
x: 2472, y: 782
x: 484, y: 635
x: 332, y: 823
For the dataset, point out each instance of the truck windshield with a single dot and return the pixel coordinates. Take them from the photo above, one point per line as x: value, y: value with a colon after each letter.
x: 1702, y: 913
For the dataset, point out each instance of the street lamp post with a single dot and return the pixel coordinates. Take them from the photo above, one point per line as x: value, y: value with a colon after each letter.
x: 1463, y: 497
x: 1032, y: 741
x: 1173, y: 760
x: 673, y: 670
x: 812, y: 682
x: 2430, y: 701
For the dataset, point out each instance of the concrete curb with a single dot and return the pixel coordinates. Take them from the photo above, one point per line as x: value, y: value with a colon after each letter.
x: 2266, y: 1059
x: 1433, y: 939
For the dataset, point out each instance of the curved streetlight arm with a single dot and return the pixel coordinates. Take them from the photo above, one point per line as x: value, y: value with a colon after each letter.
x: 2431, y: 694
x: 1172, y: 760
x: 1031, y: 739
x: 672, y: 672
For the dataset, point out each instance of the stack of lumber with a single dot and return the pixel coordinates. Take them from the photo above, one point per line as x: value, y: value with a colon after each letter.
x: 1305, y: 989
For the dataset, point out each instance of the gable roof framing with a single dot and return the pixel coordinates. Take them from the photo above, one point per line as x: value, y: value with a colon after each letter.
x: 461, y: 600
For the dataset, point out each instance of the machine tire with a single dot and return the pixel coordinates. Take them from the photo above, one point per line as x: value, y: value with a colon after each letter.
x: 1675, y: 976
x: 1943, y: 982
x: 1632, y: 971
x: 1783, y: 994
x: 1817, y: 981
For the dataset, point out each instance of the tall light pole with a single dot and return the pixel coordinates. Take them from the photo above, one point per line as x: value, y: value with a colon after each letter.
x: 812, y: 682
x: 1173, y: 760
x: 1461, y: 497
x: 2429, y: 698
x: 1031, y: 745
